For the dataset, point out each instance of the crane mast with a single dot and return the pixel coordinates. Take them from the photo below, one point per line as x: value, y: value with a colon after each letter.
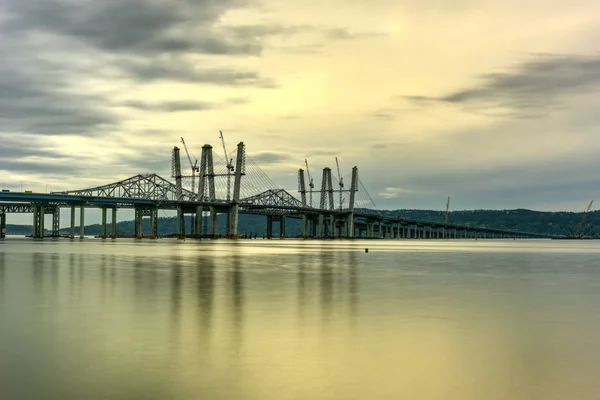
x: 230, y: 167
x: 585, y: 214
x: 341, y: 181
x: 311, y: 184
x: 194, y: 166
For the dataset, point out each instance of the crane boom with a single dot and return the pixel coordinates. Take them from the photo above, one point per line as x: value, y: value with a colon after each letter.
x: 311, y: 184
x: 447, y: 209
x: 230, y: 167
x: 341, y: 181
x: 585, y: 214
x: 187, y: 153
x: 227, y: 159
x: 194, y: 165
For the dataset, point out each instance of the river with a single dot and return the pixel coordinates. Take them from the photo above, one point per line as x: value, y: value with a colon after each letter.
x: 292, y: 319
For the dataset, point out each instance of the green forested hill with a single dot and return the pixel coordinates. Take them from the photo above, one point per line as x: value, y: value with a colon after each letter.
x: 522, y: 220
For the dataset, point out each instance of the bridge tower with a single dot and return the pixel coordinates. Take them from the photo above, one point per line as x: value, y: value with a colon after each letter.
x: 240, y: 170
x: 353, y: 190
x: 326, y: 204
x: 207, y: 181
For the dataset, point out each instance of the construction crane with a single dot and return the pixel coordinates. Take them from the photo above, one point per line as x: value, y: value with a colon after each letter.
x: 230, y: 168
x: 193, y: 164
x: 447, y: 209
x: 311, y: 184
x: 585, y: 214
x: 341, y: 180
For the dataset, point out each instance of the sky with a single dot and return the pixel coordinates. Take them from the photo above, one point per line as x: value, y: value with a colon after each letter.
x: 492, y: 103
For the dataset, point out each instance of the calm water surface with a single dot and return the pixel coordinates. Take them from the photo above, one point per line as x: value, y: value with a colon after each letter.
x: 273, y: 320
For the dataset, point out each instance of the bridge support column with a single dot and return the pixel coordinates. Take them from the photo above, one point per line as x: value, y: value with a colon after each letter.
x: 332, y: 226
x: 38, y: 221
x: 72, y: 222
x: 269, y: 226
x: 282, y: 227
x: 114, y: 223
x: 180, y: 222
x: 321, y: 226
x: 56, y: 222
x: 154, y: 223
x: 350, y: 226
x: 304, y: 226
x: 199, y: 210
x: 139, y: 231
x: 103, y: 230
x: 81, y: 221
x: 214, y: 223
x: 235, y: 215
x: 2, y: 226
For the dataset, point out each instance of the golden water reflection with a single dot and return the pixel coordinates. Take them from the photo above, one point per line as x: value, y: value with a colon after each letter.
x: 296, y: 320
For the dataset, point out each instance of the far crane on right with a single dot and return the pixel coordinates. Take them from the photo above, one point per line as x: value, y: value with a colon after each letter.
x: 578, y: 232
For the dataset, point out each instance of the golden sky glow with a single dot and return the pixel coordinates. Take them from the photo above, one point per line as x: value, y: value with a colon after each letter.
x: 429, y: 99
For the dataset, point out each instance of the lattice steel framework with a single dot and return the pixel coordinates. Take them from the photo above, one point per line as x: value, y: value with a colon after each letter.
x: 277, y: 201
x: 25, y: 209
x: 148, y: 187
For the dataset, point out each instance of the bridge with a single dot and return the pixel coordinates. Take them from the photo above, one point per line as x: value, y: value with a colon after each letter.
x: 234, y: 189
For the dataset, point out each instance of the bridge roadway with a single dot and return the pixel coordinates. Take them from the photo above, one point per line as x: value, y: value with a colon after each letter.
x: 276, y: 205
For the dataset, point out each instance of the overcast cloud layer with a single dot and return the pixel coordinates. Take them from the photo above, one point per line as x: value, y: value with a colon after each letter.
x: 492, y: 104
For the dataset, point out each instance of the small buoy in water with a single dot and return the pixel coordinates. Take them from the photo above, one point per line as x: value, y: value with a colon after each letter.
x: 366, y: 250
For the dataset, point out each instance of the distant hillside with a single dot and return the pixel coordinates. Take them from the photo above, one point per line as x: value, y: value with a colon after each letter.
x: 522, y: 220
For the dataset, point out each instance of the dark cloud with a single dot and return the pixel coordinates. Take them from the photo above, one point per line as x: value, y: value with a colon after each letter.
x: 134, y: 26
x: 37, y: 101
x: 170, y: 106
x: 261, y: 30
x: 52, y: 49
x: 529, y: 88
x: 270, y: 157
x: 144, y: 70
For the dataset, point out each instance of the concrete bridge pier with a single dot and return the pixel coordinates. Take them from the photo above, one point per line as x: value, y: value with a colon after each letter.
x: 81, y: 222
x: 269, y: 226
x: 72, y: 222
x: 321, y: 226
x: 113, y: 233
x: 154, y: 223
x: 180, y: 222
x: 139, y: 215
x: 2, y: 226
x: 332, y: 226
x: 103, y: 227
x: 214, y: 223
x: 198, y: 225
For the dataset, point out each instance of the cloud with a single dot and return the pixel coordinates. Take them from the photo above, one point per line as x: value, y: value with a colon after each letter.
x: 62, y: 61
x: 134, y: 26
x: 346, y: 34
x: 170, y: 106
x: 36, y: 99
x: 393, y: 192
x: 270, y: 157
x: 529, y: 88
x: 144, y: 70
